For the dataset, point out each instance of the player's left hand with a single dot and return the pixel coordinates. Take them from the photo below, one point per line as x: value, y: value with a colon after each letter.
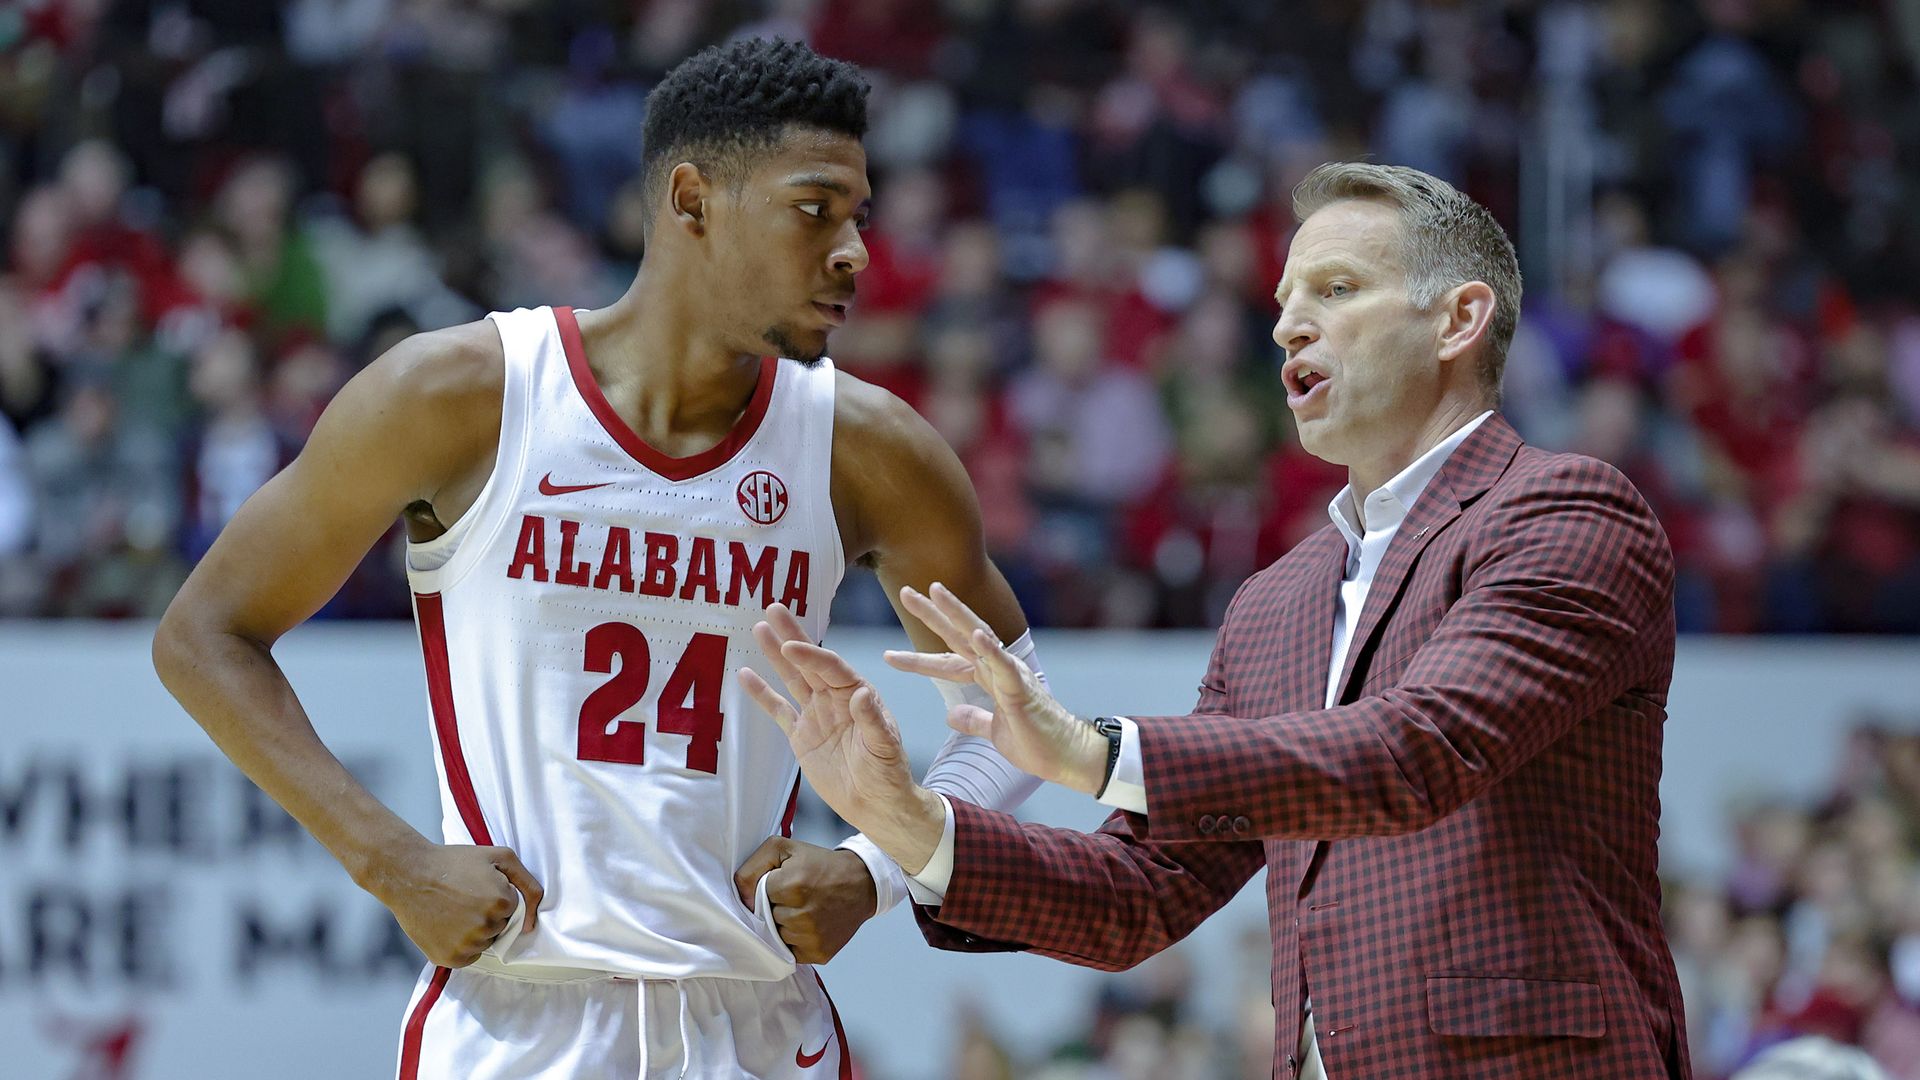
x: 820, y: 896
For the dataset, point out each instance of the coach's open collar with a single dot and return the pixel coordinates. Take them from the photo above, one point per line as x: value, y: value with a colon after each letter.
x: 1390, y: 503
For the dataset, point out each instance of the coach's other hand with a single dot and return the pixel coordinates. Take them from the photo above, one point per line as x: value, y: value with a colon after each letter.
x: 453, y: 900
x: 820, y: 896
x: 1027, y: 725
x: 848, y: 745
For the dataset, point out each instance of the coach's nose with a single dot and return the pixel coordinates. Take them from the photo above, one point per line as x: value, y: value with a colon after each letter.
x: 1294, y: 331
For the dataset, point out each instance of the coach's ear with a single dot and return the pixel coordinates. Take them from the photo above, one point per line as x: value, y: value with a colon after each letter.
x: 772, y: 851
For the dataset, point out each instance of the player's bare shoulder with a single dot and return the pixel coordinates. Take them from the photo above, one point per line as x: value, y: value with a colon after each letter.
x: 870, y: 420
x: 457, y: 374
x: 890, y: 468
x: 426, y: 414
x: 879, y: 440
x: 409, y: 430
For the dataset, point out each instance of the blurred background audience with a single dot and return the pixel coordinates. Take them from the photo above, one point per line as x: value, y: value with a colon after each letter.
x: 214, y: 212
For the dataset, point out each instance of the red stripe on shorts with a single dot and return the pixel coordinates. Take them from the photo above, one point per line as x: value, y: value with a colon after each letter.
x: 840, y: 1033
x: 417, y: 1023
x: 433, y: 644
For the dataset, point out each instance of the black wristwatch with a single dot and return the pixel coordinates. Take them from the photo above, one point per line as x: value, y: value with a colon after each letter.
x: 1112, y: 729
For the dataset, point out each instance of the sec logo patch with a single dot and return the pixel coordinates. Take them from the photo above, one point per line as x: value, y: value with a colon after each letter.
x: 763, y: 497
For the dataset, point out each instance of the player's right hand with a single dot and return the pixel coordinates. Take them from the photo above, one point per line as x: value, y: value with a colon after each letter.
x: 453, y: 900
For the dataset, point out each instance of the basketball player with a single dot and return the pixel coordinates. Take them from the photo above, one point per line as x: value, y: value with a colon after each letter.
x: 599, y: 506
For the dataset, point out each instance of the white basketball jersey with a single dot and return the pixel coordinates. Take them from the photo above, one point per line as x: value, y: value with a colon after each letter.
x: 581, y: 626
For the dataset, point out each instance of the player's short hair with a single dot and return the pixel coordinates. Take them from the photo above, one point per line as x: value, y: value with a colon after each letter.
x: 1447, y: 241
x: 726, y: 103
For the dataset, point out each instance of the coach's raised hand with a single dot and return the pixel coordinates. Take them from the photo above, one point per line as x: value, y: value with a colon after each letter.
x: 1027, y: 724
x: 847, y: 743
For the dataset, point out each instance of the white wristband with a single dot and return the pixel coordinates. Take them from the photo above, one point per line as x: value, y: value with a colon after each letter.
x: 963, y: 693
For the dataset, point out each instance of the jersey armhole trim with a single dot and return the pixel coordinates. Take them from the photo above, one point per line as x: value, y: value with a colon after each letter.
x: 473, y: 532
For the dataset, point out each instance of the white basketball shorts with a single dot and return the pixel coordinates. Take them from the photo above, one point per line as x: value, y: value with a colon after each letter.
x: 468, y: 1024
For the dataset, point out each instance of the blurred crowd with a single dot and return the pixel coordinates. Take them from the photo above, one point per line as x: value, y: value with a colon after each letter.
x: 1815, y: 931
x: 1802, y: 962
x: 215, y: 211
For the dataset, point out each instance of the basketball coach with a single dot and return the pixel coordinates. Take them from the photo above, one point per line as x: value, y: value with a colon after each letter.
x: 1436, y: 722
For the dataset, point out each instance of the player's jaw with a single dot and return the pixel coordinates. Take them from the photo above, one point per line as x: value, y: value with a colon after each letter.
x: 805, y: 338
x: 807, y: 344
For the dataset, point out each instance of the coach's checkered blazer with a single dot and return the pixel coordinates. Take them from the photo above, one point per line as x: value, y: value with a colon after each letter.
x: 1462, y: 854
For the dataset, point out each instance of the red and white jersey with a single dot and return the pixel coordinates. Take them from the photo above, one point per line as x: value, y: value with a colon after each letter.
x: 581, y: 625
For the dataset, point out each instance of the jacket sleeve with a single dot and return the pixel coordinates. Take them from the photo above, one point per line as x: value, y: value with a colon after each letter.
x: 1566, y: 605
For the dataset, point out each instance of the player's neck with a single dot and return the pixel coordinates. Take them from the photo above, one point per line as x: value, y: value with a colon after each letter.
x: 662, y: 368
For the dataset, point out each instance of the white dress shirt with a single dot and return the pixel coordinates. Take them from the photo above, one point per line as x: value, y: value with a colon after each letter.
x: 1368, y: 536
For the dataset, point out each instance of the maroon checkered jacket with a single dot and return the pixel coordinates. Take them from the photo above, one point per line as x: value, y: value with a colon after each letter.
x: 1461, y: 855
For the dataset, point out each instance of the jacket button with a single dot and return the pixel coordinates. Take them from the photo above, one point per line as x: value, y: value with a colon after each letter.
x: 1207, y: 824
x: 1242, y: 824
x: 1293, y: 1064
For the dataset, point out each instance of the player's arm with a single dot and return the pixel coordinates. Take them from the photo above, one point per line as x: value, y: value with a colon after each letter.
x: 919, y: 522
x: 422, y: 418
x: 920, y: 519
x: 915, y: 510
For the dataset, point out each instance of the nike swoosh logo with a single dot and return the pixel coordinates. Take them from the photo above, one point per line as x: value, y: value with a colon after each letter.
x: 548, y: 487
x: 808, y: 1061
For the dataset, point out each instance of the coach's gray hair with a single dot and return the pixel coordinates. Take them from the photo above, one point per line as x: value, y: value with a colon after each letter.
x: 1447, y: 241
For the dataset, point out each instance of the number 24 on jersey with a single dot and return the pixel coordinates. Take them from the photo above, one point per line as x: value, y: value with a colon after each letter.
x: 689, y: 703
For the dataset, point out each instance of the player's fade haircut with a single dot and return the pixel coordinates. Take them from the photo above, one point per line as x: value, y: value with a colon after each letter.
x: 726, y: 103
x: 1447, y: 240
